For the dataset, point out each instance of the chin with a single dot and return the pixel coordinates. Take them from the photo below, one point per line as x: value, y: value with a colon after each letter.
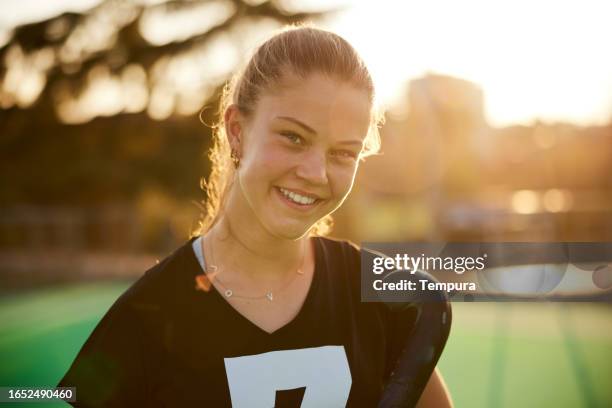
x: 290, y: 232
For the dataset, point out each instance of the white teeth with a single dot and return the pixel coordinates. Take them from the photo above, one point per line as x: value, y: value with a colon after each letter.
x: 300, y: 199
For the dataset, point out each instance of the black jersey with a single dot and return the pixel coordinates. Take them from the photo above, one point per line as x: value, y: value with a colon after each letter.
x: 164, y: 343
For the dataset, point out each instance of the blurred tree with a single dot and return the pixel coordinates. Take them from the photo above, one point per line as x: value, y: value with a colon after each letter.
x: 98, y: 106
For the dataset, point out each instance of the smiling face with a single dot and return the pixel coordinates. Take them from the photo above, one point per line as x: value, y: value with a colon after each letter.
x: 299, y: 152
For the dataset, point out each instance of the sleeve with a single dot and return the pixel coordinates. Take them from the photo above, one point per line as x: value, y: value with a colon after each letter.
x: 109, y: 368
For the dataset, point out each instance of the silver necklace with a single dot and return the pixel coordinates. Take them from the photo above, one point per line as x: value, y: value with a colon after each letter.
x: 212, y: 271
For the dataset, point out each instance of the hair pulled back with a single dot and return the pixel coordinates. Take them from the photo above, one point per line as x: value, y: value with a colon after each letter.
x: 296, y: 50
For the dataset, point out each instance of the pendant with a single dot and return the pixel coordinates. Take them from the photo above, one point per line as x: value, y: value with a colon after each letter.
x: 228, y: 293
x: 269, y: 296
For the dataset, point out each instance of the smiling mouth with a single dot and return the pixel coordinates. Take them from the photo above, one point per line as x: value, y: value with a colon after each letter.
x: 298, y: 199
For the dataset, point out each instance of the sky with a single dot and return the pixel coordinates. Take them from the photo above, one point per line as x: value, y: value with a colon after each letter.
x: 533, y: 59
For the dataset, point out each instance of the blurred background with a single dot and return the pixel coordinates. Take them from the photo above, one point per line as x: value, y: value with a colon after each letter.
x: 498, y: 128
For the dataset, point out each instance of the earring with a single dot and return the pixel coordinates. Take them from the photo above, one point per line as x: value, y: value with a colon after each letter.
x: 235, y: 158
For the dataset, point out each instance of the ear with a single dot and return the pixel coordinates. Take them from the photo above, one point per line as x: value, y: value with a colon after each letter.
x: 234, y: 127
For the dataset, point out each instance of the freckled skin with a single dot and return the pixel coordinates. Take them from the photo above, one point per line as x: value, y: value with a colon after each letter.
x: 279, y: 153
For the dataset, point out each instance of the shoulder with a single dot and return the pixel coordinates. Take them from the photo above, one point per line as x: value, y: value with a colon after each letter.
x: 341, y: 259
x: 141, y: 307
x: 339, y: 253
x: 344, y: 250
x: 112, y: 365
x: 161, y: 283
x: 338, y: 247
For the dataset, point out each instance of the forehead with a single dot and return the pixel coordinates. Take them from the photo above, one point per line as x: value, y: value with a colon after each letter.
x: 332, y: 107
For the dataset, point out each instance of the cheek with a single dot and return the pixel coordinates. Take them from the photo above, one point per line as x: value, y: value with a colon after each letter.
x: 255, y: 149
x: 342, y: 179
x: 265, y: 164
x: 272, y: 163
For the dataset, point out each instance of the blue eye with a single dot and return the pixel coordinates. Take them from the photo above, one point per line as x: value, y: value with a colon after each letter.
x: 293, y: 137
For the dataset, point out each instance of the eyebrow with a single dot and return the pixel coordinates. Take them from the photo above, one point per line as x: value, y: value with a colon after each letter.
x: 311, y: 130
x: 297, y: 122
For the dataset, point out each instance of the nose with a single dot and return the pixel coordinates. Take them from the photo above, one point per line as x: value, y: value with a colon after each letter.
x: 313, y: 168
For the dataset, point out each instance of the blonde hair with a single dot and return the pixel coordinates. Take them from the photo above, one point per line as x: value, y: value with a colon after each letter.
x: 299, y: 50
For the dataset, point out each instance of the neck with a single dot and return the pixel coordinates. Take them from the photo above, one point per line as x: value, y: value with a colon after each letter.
x: 240, y: 243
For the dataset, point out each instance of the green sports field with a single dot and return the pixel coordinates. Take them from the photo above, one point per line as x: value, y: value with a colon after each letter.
x: 498, y: 354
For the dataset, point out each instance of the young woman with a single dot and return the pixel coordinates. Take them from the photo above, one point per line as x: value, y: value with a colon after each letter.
x: 258, y: 309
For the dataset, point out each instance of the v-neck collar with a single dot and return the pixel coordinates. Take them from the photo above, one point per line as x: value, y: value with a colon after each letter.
x: 306, y: 305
